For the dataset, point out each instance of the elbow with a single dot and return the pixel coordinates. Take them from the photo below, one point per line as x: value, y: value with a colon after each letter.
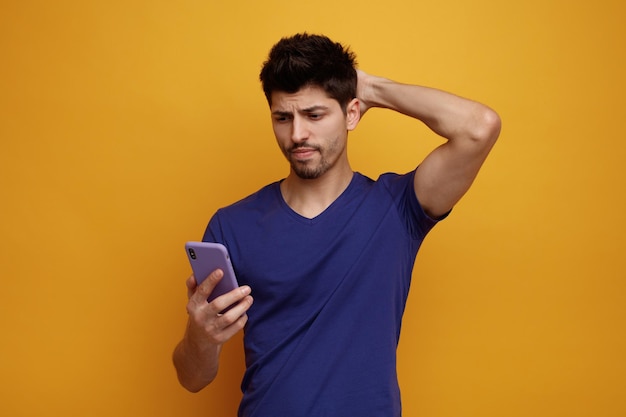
x: 193, y: 385
x: 191, y: 376
x: 487, y: 127
x: 191, y: 388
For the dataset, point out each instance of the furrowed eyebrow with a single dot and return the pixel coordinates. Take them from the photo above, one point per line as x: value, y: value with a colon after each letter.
x: 313, y: 109
x: 307, y: 110
x: 282, y: 113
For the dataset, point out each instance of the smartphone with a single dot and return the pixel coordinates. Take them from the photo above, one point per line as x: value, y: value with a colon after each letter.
x: 206, y: 257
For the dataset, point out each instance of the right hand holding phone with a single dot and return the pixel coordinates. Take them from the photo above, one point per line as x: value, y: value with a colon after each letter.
x: 206, y: 322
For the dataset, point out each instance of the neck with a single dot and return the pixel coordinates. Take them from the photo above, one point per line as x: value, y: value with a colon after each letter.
x: 309, y: 198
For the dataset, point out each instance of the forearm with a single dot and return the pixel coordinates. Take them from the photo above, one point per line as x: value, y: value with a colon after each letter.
x: 448, y: 115
x: 196, y: 363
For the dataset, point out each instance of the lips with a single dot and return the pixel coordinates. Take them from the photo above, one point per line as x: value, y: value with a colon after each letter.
x: 303, y: 153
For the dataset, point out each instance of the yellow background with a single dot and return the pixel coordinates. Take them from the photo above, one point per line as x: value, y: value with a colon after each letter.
x: 125, y: 124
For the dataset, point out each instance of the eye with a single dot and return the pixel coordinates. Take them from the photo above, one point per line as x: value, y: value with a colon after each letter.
x: 281, y: 118
x: 315, y: 116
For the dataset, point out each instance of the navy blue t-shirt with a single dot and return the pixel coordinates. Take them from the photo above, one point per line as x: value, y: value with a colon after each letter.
x: 329, y: 294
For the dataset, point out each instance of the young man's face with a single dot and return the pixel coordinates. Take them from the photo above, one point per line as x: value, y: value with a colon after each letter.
x: 311, y: 130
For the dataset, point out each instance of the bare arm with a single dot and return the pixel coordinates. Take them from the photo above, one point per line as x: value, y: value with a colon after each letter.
x: 196, y: 357
x: 470, y: 128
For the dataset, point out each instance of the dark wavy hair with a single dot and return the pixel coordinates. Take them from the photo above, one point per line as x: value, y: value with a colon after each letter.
x: 304, y: 60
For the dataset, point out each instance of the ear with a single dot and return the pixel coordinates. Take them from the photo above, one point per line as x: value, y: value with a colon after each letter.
x: 353, y: 114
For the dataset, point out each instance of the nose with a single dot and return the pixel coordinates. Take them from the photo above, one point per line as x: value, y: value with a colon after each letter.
x: 299, y: 130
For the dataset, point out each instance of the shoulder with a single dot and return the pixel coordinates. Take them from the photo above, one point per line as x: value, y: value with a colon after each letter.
x: 397, y: 185
x: 401, y: 190
x: 260, y: 198
x: 390, y: 183
x: 243, y: 213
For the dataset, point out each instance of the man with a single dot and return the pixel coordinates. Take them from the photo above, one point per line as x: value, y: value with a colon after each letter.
x: 327, y: 252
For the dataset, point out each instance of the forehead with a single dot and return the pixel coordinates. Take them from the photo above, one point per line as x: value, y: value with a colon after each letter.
x: 305, y: 98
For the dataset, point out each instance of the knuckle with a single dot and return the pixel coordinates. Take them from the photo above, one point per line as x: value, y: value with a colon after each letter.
x: 191, y: 282
x: 243, y: 320
x: 204, y: 291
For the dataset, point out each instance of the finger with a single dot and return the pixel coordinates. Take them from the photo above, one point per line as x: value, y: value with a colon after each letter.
x: 232, y: 319
x: 224, y: 334
x: 204, y: 289
x: 227, y: 300
x: 240, y: 309
x: 191, y: 282
x: 191, y: 286
x: 229, y: 331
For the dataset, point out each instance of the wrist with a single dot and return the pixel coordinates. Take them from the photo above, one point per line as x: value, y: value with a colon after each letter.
x: 373, y: 91
x: 197, y: 343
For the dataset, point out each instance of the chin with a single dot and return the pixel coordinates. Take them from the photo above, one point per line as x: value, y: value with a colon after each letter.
x: 307, y: 175
x: 310, y: 173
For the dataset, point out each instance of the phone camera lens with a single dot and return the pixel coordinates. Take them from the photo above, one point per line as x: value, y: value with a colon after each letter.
x: 192, y: 253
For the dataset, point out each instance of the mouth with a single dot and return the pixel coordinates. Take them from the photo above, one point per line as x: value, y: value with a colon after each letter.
x: 303, y: 153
